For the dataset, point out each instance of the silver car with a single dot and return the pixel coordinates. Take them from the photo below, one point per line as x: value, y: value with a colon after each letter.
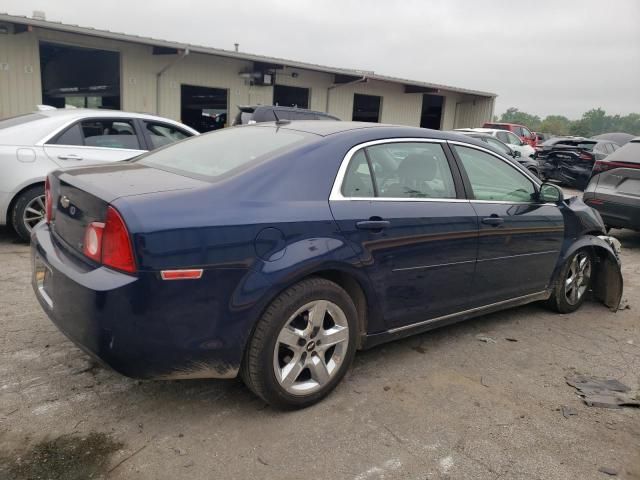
x: 34, y: 144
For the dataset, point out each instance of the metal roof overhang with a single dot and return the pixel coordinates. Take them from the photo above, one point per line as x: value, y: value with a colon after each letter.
x: 165, y: 47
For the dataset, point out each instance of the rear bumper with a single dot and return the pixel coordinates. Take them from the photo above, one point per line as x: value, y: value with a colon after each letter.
x: 142, y: 326
x: 616, y: 215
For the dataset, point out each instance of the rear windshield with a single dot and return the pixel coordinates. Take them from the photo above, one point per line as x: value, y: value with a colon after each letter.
x: 496, y: 126
x: 217, y: 153
x: 629, y: 153
x: 19, y: 120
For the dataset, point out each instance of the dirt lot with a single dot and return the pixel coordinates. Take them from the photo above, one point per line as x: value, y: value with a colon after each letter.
x: 438, y: 405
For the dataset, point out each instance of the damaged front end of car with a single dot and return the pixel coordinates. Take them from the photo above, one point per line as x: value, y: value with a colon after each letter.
x: 585, y: 230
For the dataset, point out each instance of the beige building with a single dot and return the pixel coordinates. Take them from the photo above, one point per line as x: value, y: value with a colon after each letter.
x: 51, y: 63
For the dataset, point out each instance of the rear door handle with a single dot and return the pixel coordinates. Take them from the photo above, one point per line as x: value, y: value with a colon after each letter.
x: 495, y: 221
x: 70, y: 156
x: 373, y: 224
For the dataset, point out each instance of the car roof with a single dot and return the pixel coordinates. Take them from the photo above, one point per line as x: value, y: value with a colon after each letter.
x: 331, y: 127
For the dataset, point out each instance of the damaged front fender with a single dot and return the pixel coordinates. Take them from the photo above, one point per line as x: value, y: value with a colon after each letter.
x: 607, y: 284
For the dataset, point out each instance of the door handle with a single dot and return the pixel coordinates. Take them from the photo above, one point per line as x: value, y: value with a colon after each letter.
x: 70, y: 156
x: 373, y: 224
x: 493, y: 220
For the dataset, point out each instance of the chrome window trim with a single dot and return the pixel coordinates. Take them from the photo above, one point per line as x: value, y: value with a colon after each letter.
x: 336, y: 190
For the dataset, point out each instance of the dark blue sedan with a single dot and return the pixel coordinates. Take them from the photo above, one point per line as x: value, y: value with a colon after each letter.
x: 275, y: 251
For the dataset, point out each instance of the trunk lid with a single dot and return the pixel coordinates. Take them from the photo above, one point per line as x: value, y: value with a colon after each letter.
x: 81, y: 195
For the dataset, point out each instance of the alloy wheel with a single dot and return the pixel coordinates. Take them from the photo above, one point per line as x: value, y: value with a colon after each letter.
x: 33, y: 212
x: 311, y: 347
x: 578, y: 277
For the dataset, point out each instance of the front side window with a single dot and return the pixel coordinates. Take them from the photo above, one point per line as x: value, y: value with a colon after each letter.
x: 161, y: 134
x: 493, y: 179
x: 400, y: 170
x: 526, y: 133
x: 108, y: 133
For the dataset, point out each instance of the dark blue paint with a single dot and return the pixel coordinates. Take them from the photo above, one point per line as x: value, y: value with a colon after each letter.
x: 264, y: 229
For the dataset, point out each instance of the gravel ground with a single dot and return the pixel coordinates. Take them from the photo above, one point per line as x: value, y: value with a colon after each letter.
x: 438, y: 405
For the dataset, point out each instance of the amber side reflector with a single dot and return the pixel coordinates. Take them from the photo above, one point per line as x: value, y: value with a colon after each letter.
x: 181, y: 274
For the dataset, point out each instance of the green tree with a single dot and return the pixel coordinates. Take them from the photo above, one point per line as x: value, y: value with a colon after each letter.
x: 513, y: 115
x: 556, y: 124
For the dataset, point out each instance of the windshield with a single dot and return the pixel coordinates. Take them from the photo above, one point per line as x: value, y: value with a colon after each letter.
x: 220, y: 152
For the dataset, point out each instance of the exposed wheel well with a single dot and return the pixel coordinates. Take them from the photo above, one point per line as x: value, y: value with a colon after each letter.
x: 15, y: 198
x: 355, y: 291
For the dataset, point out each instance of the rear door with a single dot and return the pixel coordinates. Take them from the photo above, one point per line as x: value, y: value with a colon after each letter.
x: 96, y: 140
x: 400, y: 204
x: 519, y: 239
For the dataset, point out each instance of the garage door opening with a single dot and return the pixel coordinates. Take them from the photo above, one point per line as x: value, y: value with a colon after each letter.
x: 290, y: 96
x: 366, y: 108
x: 79, y: 77
x: 204, y: 108
x: 431, y: 116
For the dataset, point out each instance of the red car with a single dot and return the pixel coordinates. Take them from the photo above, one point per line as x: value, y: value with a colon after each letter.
x: 523, y: 132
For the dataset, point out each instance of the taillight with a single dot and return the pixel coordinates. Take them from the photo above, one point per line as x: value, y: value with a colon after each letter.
x: 108, y: 243
x: 600, y: 167
x: 585, y: 156
x: 48, y: 201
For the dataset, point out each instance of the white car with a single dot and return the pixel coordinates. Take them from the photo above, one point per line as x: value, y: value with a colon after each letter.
x: 34, y: 144
x: 507, y: 137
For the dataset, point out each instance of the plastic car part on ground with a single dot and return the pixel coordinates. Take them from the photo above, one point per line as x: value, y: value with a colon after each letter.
x: 604, y: 392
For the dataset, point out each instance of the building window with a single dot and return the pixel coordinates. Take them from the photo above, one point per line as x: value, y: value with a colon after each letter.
x: 366, y: 108
x: 286, y: 96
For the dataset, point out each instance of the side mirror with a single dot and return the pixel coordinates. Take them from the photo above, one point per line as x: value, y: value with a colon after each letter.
x: 516, y: 154
x: 550, y: 193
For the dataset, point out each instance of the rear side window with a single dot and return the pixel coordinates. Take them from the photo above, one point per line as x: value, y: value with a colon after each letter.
x: 71, y: 136
x: 493, y: 179
x: 161, y: 134
x: 504, y: 137
x: 357, y: 181
x: 110, y: 134
x: 220, y: 152
x: 400, y: 170
x: 20, y: 119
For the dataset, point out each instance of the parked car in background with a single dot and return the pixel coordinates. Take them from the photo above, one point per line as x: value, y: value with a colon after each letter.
x: 614, y: 188
x: 541, y: 138
x: 571, y: 160
x: 528, y: 163
x: 618, y: 137
x: 526, y: 135
x: 268, y: 113
x: 507, y: 137
x: 332, y: 237
x: 34, y: 144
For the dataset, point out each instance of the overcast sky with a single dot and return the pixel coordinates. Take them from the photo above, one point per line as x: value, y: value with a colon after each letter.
x: 543, y: 57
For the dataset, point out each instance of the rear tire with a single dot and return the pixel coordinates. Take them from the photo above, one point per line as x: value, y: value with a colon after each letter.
x: 573, y: 282
x: 28, y: 210
x: 302, y: 346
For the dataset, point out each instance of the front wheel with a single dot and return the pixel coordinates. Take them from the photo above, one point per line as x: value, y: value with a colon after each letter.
x: 574, y: 282
x: 302, y: 346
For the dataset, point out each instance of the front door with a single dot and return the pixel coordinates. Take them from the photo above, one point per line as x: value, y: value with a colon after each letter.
x: 520, y: 239
x: 400, y: 206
